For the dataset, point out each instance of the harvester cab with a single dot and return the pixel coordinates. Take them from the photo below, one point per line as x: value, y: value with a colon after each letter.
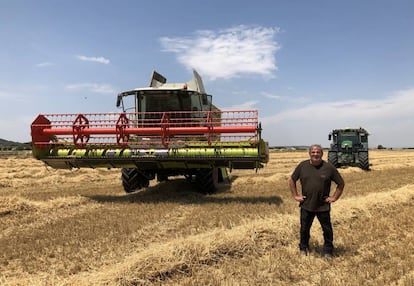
x: 161, y: 96
x: 349, y: 147
x: 164, y: 130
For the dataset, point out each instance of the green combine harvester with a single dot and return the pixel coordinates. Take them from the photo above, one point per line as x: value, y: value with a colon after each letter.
x: 165, y: 130
x: 349, y: 147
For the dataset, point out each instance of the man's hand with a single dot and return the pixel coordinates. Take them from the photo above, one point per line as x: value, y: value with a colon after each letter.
x: 299, y: 198
x: 330, y: 200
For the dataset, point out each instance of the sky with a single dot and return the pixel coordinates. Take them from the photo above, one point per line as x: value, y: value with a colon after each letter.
x: 308, y: 67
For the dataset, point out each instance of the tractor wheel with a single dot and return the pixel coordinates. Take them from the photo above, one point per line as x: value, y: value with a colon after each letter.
x: 207, y: 180
x: 133, y: 180
x: 333, y: 158
x: 363, y: 160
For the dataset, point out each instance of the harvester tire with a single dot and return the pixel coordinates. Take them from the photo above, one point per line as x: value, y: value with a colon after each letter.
x: 333, y: 158
x: 133, y: 180
x: 207, y: 180
x: 162, y: 177
x: 363, y: 160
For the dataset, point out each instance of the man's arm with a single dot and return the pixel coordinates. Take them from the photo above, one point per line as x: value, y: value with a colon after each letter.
x: 294, y: 191
x: 337, y: 194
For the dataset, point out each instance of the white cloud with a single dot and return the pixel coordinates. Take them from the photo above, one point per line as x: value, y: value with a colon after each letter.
x: 92, y: 87
x: 248, y: 105
x: 16, y: 129
x: 389, y: 121
x: 4, y: 94
x: 401, y: 104
x: 16, y: 96
x: 227, y: 53
x: 45, y: 64
x: 300, y: 100
x: 101, y: 60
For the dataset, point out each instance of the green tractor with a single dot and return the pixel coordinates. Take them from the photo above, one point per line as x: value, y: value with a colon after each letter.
x: 349, y: 147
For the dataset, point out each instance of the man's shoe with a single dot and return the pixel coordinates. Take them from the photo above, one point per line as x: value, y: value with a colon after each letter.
x: 303, y: 252
x: 327, y: 255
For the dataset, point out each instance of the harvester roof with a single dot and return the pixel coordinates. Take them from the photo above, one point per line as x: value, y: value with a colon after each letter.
x: 159, y: 83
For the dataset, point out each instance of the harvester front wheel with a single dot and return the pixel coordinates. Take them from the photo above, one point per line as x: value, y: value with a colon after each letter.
x: 207, y: 180
x: 363, y: 160
x: 162, y: 177
x: 133, y: 180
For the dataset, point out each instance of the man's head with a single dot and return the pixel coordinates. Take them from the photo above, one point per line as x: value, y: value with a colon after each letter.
x: 315, y: 154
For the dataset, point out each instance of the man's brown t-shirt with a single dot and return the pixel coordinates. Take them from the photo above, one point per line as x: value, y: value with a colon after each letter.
x: 316, y: 184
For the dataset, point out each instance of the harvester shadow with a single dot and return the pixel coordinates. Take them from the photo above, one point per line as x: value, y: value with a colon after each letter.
x: 180, y: 191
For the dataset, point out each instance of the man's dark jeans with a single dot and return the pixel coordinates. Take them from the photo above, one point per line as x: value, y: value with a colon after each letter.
x: 306, y: 220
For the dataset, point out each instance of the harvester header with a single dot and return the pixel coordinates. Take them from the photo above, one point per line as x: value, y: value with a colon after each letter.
x: 164, y: 130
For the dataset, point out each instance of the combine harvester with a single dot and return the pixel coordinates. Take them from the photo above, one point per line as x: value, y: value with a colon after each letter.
x: 166, y: 129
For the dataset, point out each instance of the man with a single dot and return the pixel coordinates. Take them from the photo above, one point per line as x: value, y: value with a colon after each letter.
x: 315, y: 177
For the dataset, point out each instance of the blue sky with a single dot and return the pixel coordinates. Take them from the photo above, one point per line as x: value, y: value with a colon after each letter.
x: 307, y: 66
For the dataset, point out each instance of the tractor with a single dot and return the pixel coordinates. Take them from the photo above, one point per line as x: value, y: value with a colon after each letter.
x: 164, y: 130
x: 349, y: 147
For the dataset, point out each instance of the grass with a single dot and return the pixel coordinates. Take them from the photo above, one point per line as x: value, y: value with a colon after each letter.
x: 80, y: 228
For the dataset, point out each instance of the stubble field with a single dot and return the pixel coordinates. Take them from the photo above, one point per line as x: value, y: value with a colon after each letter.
x: 78, y: 227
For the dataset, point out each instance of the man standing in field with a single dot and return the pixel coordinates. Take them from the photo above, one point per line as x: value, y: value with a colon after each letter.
x: 315, y: 177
